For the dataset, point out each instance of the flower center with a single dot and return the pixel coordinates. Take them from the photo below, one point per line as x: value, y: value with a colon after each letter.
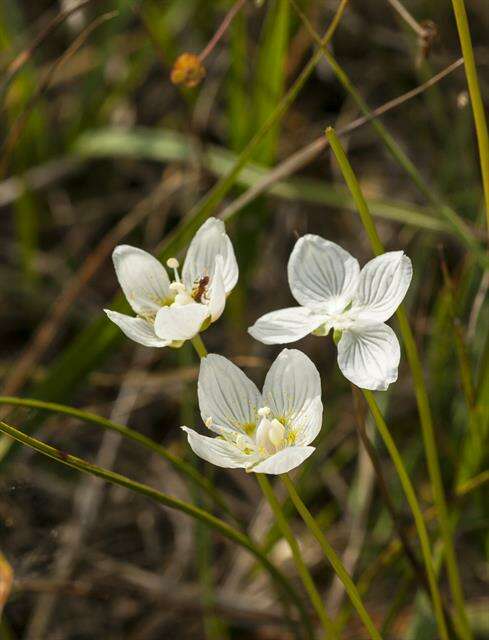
x: 270, y: 433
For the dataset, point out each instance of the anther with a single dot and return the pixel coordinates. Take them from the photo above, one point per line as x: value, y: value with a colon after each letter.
x: 172, y: 263
x: 264, y: 411
x: 209, y: 422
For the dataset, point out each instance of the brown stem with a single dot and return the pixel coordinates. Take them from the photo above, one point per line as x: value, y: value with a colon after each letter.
x: 228, y: 18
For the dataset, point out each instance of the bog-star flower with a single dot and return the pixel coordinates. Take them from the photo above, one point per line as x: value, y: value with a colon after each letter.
x: 326, y: 280
x: 267, y: 432
x: 168, y: 313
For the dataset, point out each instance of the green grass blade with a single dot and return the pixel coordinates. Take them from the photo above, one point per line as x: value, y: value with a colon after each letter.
x: 162, y: 498
x: 91, y: 418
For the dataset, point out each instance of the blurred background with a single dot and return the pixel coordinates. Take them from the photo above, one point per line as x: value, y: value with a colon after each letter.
x: 100, y: 147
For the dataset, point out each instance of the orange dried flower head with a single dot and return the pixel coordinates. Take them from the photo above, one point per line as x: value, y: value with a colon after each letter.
x: 188, y: 70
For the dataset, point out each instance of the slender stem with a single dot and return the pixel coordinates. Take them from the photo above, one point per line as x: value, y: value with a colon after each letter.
x: 421, y: 392
x: 473, y: 483
x: 228, y: 18
x: 475, y: 95
x: 304, y: 573
x: 332, y: 557
x: 151, y: 445
x: 199, y: 346
x: 415, y: 509
x: 210, y: 520
x: 381, y: 481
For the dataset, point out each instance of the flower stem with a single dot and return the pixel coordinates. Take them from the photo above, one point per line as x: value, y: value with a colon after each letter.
x: 421, y: 392
x: 199, y: 346
x: 475, y: 95
x: 304, y: 573
x: 210, y: 520
x: 332, y: 557
x: 415, y: 508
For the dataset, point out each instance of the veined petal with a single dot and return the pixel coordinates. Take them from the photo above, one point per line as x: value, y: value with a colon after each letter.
x: 382, y: 286
x: 286, y: 325
x: 217, y: 293
x: 369, y: 356
x: 226, y: 394
x: 284, y: 460
x: 321, y: 274
x: 180, y: 322
x: 137, y: 329
x: 143, y: 279
x: 216, y: 451
x: 210, y: 241
x: 292, y: 390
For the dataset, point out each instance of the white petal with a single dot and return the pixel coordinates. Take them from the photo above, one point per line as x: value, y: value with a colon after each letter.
x: 217, y: 293
x: 284, y: 460
x: 286, y: 325
x: 216, y: 451
x: 226, y: 394
x: 143, y: 279
x: 369, y: 356
x: 137, y: 329
x: 210, y: 241
x: 180, y: 322
x: 292, y: 390
x: 382, y: 286
x: 322, y: 274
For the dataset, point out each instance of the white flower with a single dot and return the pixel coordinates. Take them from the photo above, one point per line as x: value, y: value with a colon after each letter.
x: 168, y: 313
x: 265, y: 433
x: 326, y: 280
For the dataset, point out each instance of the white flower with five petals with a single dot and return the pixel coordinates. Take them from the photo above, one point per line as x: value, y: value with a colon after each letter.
x: 267, y: 432
x: 168, y: 313
x: 334, y: 294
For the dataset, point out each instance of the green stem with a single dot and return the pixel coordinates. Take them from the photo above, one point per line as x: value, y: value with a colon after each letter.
x: 304, y: 573
x: 332, y: 557
x: 210, y: 520
x: 475, y: 95
x: 421, y: 392
x: 92, y: 418
x: 415, y: 509
x: 199, y: 346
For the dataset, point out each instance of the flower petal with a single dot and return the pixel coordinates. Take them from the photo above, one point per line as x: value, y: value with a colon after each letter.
x: 143, y: 279
x: 369, y: 356
x: 226, y: 394
x: 321, y: 274
x: 137, y: 329
x: 382, y: 286
x: 217, y: 293
x: 180, y: 322
x: 286, y: 325
x: 216, y: 451
x: 284, y: 460
x: 292, y: 390
x: 210, y: 241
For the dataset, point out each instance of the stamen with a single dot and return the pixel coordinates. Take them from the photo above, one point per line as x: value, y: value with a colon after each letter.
x: 264, y: 411
x: 177, y: 286
x: 172, y: 263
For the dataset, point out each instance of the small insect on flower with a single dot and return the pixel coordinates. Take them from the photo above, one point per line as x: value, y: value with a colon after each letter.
x: 267, y: 432
x: 200, y: 289
x: 334, y: 294
x: 188, y: 70
x: 168, y: 313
